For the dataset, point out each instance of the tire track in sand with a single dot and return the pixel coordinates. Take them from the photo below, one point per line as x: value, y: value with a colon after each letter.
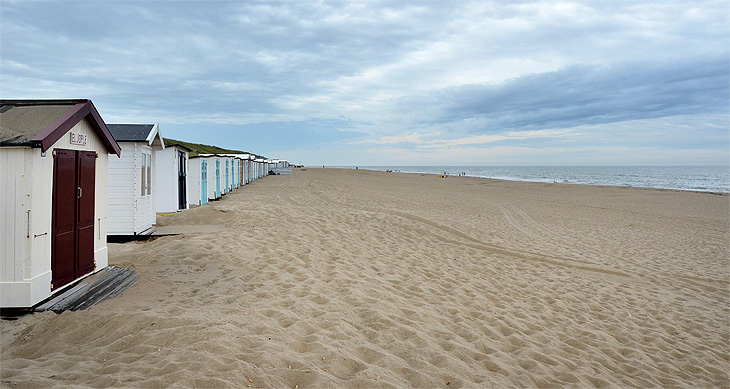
x: 494, y: 249
x: 531, y: 228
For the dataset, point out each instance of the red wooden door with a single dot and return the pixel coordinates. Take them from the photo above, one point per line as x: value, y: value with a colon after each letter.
x: 63, y: 242
x: 72, y: 245
x: 85, y: 212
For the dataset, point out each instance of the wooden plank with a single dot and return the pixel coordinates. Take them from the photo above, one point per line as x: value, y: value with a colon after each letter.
x: 105, y: 285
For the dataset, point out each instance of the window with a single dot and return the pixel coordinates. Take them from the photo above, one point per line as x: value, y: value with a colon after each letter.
x: 146, y: 183
x: 149, y: 174
x: 144, y: 175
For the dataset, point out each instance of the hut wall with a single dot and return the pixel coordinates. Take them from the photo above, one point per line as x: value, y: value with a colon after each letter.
x: 26, y: 210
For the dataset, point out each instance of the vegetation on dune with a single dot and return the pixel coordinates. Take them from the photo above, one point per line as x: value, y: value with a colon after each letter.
x: 201, y: 148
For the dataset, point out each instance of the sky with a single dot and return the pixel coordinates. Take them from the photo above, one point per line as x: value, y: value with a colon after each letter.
x: 392, y: 83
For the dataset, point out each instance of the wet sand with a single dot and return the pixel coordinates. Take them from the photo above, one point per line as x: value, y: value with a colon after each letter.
x: 353, y: 278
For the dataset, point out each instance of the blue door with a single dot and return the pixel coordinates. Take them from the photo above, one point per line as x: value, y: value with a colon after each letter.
x: 217, y: 178
x: 203, y: 182
x: 227, y: 187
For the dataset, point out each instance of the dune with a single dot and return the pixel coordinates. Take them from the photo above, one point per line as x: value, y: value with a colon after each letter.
x: 362, y: 279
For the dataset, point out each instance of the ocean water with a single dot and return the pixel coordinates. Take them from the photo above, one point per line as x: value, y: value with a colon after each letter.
x: 692, y: 178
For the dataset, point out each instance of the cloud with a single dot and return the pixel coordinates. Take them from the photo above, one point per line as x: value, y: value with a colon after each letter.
x: 424, y: 77
x: 421, y: 143
x: 579, y: 95
x: 408, y: 137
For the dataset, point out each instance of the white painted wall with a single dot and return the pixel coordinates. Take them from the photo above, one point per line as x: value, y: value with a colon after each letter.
x: 26, y: 203
x: 130, y: 212
x: 194, y: 181
x: 167, y: 179
x: 211, y: 177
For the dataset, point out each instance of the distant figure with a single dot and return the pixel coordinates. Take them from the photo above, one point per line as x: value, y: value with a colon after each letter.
x: 356, y: 167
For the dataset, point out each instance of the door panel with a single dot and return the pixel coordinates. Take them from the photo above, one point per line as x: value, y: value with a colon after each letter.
x: 217, y: 178
x: 181, y: 184
x: 64, y: 218
x: 72, y: 245
x: 204, y: 182
x: 85, y: 223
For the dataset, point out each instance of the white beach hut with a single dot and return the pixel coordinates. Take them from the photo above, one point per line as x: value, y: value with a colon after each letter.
x: 243, y: 162
x: 254, y: 168
x: 250, y: 169
x: 234, y: 169
x: 279, y: 166
x: 198, y: 180
x: 246, y: 162
x: 237, y: 178
x: 53, y: 170
x: 229, y: 172
x: 241, y: 176
x: 216, y: 181
x: 132, y: 192
x: 260, y: 167
x: 171, y: 168
x: 225, y: 173
x: 237, y: 172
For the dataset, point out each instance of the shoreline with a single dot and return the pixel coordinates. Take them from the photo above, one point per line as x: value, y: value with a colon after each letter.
x: 544, y: 181
x: 358, y: 279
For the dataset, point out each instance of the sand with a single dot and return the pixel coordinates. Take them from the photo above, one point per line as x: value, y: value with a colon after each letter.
x: 345, y: 278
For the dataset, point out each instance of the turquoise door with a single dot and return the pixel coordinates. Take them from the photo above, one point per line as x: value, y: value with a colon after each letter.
x: 227, y: 187
x: 203, y: 182
x: 217, y: 178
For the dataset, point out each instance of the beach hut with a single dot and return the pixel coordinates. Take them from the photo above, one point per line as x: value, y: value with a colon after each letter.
x: 215, y: 177
x: 229, y: 172
x: 254, y: 168
x: 279, y: 166
x: 250, y: 169
x: 53, y: 170
x: 215, y: 184
x: 260, y: 167
x: 241, y: 169
x: 198, y: 180
x: 245, y: 168
x: 237, y: 180
x: 171, y: 168
x: 132, y: 192
x: 237, y: 172
x: 226, y: 181
x: 234, y: 169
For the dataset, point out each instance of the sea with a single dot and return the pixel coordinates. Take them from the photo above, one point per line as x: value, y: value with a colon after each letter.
x: 689, y: 178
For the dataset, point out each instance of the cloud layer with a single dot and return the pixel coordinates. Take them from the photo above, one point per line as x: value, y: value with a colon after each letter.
x: 392, y: 82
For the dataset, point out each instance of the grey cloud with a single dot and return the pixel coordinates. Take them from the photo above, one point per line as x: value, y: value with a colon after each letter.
x: 383, y: 68
x: 580, y: 95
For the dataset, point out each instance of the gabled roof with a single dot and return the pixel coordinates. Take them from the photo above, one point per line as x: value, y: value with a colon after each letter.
x: 41, y: 123
x: 137, y: 133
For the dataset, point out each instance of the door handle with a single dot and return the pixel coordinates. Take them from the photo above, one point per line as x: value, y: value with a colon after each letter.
x: 80, y: 192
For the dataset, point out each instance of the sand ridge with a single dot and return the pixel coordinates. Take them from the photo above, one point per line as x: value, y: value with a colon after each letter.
x: 343, y: 278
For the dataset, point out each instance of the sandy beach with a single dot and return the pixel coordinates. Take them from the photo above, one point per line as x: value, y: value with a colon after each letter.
x: 352, y: 278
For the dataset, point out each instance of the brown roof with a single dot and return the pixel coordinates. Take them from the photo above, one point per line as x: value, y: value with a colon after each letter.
x: 40, y: 123
x: 19, y: 125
